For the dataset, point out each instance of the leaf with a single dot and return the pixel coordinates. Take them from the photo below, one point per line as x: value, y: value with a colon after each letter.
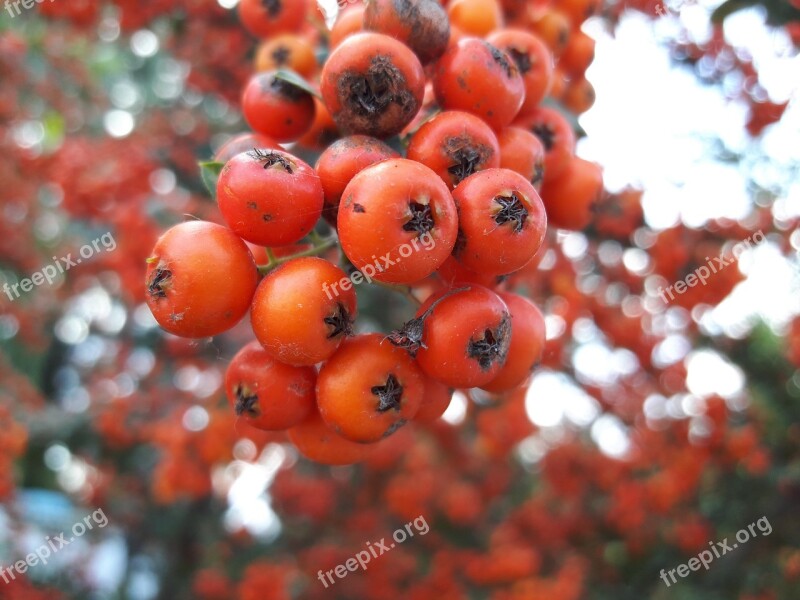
x: 294, y: 79
x: 209, y: 171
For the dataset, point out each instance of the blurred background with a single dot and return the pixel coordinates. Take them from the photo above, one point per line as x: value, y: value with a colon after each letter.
x: 651, y: 428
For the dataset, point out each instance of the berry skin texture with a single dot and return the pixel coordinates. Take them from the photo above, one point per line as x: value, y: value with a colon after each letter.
x: 479, y: 78
x: 422, y: 25
x: 268, y: 394
x: 475, y: 17
x: 369, y: 389
x: 269, y: 197
x: 435, y: 401
x: 372, y: 84
x: 276, y: 108
x: 455, y: 144
x: 298, y: 315
x: 264, y: 18
x: 556, y: 135
x: 533, y: 59
x: 527, y: 344
x: 523, y: 152
x: 569, y: 198
x: 465, y: 338
x: 286, y: 51
x: 398, y: 220
x: 502, y: 221
x: 200, y: 279
x: 343, y: 160
x: 315, y: 440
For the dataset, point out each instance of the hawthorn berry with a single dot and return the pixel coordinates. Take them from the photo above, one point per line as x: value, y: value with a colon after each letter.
x: 264, y: 18
x: 477, y: 77
x: 274, y: 107
x: 556, y: 134
x: 301, y: 313
x: 397, y: 219
x: 368, y: 389
x: 521, y: 151
x: 317, y: 442
x: 269, y: 197
x: 526, y: 347
x: 200, y: 279
x: 372, y: 84
x: 533, y: 59
x: 463, y: 339
x: 455, y: 144
x: 422, y: 25
x: 266, y: 393
x: 343, y: 160
x: 501, y: 221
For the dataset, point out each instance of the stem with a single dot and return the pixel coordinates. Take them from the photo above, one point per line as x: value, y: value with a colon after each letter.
x: 318, y: 249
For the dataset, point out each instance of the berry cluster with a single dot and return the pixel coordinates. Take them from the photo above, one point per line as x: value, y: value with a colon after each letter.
x: 437, y: 150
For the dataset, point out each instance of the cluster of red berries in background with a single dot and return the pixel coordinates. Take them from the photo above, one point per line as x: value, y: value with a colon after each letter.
x: 434, y: 131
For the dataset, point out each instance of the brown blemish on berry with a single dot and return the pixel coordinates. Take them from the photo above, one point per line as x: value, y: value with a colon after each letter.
x: 421, y: 220
x: 160, y: 281
x: 358, y: 208
x: 467, y: 156
x: 389, y: 395
x: 512, y: 210
x: 246, y: 402
x: 521, y: 58
x: 340, y: 322
x: 493, y: 346
x: 273, y: 7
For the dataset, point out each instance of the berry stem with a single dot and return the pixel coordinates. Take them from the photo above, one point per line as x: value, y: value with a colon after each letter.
x: 318, y: 249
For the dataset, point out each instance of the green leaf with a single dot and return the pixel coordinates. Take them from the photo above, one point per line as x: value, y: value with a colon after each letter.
x: 209, y: 171
x: 294, y: 79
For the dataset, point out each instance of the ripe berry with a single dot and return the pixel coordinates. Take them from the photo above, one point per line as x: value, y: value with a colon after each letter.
x: 464, y: 336
x: 200, y: 279
x: 397, y: 219
x: 556, y: 135
x: 368, y: 389
x: 420, y: 24
x: 277, y: 108
x: 266, y: 393
x: 317, y: 442
x: 286, y: 51
x: 569, y: 198
x: 533, y: 59
x: 502, y: 221
x: 269, y: 197
x: 455, y: 144
x: 477, y: 77
x: 521, y: 151
x: 527, y: 344
x: 343, y: 160
x: 372, y: 84
x: 301, y: 313
x: 264, y: 18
